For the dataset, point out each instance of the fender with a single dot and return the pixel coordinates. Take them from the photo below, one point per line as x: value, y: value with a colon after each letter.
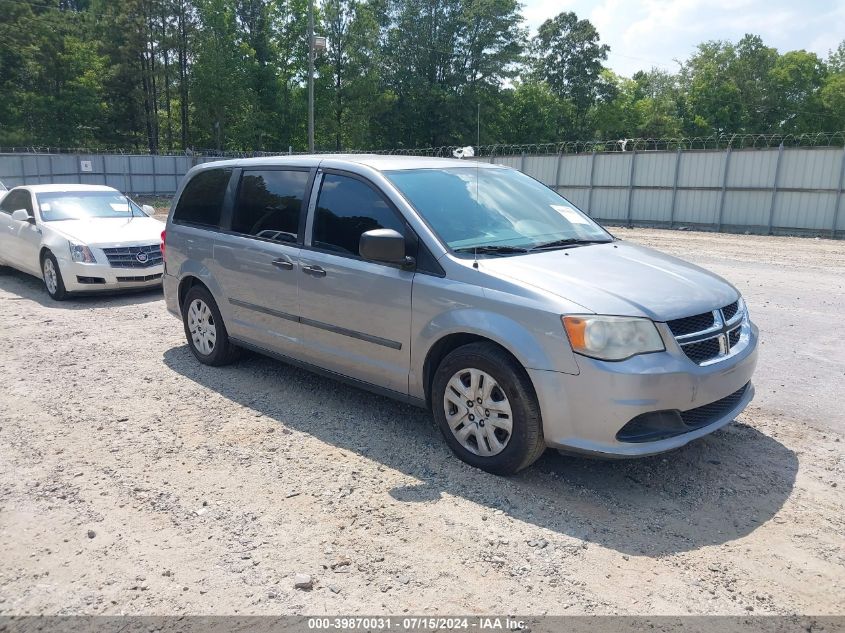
x: 536, y: 344
x: 197, y: 269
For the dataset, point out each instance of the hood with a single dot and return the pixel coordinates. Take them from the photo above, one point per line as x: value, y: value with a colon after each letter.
x: 110, y: 231
x: 619, y: 279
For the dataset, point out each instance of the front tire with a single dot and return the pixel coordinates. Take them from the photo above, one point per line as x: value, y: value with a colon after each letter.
x: 486, y: 408
x: 205, y: 330
x: 52, y: 276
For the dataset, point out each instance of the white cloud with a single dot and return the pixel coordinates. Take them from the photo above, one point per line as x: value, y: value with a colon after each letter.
x: 647, y: 33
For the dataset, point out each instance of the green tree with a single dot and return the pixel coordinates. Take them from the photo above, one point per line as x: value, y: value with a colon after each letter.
x: 569, y: 57
x: 218, y: 75
x: 797, y: 80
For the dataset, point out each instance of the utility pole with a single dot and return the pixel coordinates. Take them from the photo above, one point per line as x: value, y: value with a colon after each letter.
x: 311, y: 76
x: 478, y: 131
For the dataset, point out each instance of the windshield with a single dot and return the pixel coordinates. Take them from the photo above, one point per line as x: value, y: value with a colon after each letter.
x: 471, y: 208
x: 86, y: 205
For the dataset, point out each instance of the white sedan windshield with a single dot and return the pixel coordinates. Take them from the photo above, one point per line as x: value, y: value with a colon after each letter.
x: 85, y: 205
x: 472, y: 207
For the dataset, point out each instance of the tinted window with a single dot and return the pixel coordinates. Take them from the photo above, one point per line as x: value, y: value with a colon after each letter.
x: 15, y: 200
x: 345, y: 209
x: 269, y: 204
x: 202, y: 200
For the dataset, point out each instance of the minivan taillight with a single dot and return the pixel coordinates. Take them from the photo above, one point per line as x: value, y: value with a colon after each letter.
x: 162, y: 244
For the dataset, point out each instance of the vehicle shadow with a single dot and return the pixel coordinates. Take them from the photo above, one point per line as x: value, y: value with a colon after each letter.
x: 717, y: 489
x: 29, y: 288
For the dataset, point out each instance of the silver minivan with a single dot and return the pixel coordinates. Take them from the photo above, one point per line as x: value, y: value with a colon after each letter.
x: 467, y: 288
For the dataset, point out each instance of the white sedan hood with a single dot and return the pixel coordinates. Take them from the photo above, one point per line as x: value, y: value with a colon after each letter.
x: 110, y: 231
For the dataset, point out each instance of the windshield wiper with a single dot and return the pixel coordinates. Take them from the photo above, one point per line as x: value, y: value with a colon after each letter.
x: 569, y: 241
x: 497, y: 249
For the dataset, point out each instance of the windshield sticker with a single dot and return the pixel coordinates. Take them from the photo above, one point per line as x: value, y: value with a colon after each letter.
x: 119, y: 206
x: 45, y: 206
x: 570, y: 214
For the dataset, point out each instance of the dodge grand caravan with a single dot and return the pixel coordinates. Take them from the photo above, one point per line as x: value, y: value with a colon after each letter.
x: 467, y: 288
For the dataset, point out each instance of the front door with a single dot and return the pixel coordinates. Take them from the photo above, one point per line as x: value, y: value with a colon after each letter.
x: 20, y: 241
x: 258, y: 258
x: 355, y: 314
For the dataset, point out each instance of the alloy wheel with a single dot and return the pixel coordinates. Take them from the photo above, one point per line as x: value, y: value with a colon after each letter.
x: 51, y: 279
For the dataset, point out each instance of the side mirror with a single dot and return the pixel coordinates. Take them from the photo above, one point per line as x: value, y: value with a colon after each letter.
x: 383, y: 245
x: 22, y: 215
x: 150, y: 211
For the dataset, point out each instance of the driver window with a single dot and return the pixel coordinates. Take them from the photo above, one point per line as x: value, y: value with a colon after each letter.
x: 346, y: 208
x: 15, y: 200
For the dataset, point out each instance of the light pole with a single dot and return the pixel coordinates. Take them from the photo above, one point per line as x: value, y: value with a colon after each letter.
x: 314, y: 43
x: 311, y: 76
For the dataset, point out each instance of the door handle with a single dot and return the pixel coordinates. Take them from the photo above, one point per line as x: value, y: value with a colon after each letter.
x: 284, y: 264
x: 315, y: 271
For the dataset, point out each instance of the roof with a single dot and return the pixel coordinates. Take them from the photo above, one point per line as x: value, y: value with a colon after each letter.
x: 379, y: 162
x: 55, y: 188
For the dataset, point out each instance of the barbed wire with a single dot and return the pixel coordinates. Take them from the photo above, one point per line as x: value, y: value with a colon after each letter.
x: 683, y: 143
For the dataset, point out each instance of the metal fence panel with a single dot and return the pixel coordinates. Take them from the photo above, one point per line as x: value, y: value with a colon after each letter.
x: 806, y: 210
x: 702, y: 169
x: 754, y: 168
x: 612, y: 170
x: 760, y: 187
x: 810, y: 169
x: 609, y: 204
x: 575, y: 170
x: 655, y: 169
x: 696, y: 207
x: 652, y: 206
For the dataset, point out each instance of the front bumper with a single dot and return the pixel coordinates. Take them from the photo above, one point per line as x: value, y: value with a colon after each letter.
x: 584, y: 412
x: 80, y: 277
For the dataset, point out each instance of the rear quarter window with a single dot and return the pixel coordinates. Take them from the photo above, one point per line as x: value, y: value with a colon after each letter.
x: 201, y: 202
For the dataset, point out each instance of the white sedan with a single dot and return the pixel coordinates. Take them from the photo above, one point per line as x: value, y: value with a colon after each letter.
x: 79, y: 238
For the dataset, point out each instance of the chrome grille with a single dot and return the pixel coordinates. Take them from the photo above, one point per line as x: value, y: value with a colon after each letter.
x: 134, y: 256
x: 711, y: 335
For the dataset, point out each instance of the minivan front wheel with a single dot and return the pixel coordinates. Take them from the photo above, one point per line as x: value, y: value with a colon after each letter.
x: 204, y: 329
x: 486, y: 408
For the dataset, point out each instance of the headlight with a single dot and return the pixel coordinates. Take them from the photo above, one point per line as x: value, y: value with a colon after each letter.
x: 81, y: 253
x: 611, y: 337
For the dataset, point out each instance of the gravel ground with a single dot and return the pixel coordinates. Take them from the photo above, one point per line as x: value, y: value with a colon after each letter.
x: 135, y: 480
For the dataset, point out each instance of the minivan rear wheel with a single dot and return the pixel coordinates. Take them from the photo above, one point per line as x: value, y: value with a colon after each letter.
x: 205, y: 330
x: 487, y: 410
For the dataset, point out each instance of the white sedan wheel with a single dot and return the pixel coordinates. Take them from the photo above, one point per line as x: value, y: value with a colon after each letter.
x: 51, y: 278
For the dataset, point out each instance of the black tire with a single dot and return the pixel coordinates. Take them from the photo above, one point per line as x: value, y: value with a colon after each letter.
x: 60, y: 293
x: 526, y: 443
x: 223, y: 351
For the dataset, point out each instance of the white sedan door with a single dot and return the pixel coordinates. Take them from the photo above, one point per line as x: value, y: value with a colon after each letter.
x: 19, y: 241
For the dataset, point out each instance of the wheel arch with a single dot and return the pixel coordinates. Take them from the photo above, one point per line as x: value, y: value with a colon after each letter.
x: 185, y: 284
x: 447, y: 344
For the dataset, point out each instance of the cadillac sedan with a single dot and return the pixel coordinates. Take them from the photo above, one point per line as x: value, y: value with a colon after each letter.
x: 80, y: 238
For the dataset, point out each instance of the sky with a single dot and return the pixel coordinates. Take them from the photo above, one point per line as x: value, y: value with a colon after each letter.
x: 646, y: 33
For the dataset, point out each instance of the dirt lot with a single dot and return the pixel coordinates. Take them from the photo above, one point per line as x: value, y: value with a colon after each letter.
x: 134, y: 480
